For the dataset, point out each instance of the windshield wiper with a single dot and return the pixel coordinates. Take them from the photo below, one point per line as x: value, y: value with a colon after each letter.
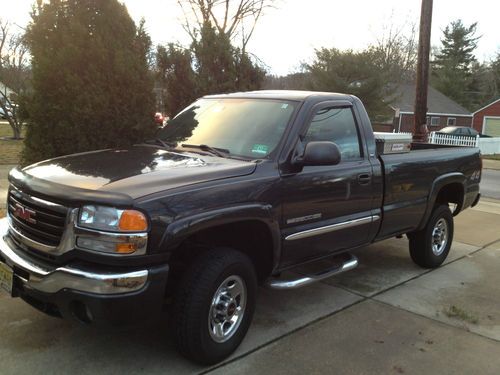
x: 221, y: 152
x: 158, y: 141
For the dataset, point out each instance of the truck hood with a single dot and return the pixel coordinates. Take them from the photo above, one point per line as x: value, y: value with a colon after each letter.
x: 134, y: 172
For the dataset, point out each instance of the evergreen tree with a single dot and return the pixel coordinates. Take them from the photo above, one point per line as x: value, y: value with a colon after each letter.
x: 494, y: 92
x: 354, y: 73
x: 452, y: 66
x: 485, y: 84
x: 222, y: 68
x: 214, y: 62
x: 176, y: 76
x: 91, y: 84
x: 211, y: 65
x: 249, y: 75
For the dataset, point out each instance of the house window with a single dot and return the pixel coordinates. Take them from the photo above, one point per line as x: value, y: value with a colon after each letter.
x: 452, y: 121
x: 434, y: 121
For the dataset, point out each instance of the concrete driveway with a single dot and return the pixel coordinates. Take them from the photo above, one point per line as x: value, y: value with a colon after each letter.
x: 490, y: 183
x: 387, y: 316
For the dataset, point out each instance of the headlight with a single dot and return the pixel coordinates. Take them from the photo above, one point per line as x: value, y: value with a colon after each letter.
x: 120, y: 231
x: 112, y: 219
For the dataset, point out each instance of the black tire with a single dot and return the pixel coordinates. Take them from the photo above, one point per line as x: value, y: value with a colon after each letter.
x: 421, y: 242
x: 193, y: 303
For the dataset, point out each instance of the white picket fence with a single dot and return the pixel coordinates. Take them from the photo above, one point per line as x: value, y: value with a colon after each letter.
x: 453, y: 140
x: 488, y: 146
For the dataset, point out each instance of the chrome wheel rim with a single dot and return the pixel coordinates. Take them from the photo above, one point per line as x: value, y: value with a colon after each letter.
x: 439, y: 237
x: 227, y: 309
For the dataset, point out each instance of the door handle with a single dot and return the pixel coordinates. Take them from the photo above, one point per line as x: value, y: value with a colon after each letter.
x: 364, y: 179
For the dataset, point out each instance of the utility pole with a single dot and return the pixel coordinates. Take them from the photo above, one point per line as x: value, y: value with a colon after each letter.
x: 420, y: 131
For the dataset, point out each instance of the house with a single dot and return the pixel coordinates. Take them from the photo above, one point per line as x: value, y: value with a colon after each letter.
x: 442, y: 111
x: 5, y: 92
x: 487, y: 119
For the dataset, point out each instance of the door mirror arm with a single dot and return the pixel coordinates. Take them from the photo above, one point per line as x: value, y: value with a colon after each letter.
x: 298, y: 155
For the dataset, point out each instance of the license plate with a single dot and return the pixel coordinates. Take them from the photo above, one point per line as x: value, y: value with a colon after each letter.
x: 6, y: 278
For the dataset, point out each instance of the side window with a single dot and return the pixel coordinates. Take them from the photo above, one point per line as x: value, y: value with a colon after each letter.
x: 336, y: 125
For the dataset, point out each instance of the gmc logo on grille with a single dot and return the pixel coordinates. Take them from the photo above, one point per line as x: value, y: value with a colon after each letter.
x: 25, y: 213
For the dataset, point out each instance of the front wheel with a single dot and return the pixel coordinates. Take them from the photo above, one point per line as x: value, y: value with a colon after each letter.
x: 214, y: 305
x: 430, y: 246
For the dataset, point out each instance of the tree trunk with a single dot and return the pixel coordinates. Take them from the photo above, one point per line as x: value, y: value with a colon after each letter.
x: 16, y: 128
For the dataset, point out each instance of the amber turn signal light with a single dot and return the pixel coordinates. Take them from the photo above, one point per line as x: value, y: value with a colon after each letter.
x: 132, y: 220
x: 125, y: 248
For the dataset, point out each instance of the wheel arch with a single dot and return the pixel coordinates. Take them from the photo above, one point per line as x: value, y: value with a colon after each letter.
x: 250, y: 229
x: 448, y: 188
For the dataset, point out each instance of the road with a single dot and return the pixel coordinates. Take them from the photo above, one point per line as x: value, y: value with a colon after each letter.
x: 490, y: 183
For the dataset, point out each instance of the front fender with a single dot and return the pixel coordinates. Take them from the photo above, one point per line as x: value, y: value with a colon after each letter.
x: 181, y: 229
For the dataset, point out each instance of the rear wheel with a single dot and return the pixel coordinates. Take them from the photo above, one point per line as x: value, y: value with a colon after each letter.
x: 430, y: 246
x: 214, y: 305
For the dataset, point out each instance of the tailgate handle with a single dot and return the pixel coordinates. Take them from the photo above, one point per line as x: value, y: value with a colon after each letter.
x: 364, y: 179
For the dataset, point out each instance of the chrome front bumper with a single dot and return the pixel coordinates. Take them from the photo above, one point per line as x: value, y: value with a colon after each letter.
x: 47, y: 279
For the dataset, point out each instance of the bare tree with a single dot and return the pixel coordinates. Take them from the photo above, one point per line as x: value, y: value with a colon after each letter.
x: 397, y: 51
x: 13, y: 75
x: 234, y: 18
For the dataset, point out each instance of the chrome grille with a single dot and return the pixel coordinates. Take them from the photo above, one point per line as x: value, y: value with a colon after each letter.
x: 35, y: 218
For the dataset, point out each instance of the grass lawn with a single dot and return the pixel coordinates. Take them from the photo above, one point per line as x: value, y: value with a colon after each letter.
x: 492, y: 157
x: 9, y: 150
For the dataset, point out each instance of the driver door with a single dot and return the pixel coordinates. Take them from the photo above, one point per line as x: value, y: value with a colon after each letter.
x: 327, y: 209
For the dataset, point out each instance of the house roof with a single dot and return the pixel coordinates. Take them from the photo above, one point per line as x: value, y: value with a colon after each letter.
x: 486, y: 106
x: 437, y: 102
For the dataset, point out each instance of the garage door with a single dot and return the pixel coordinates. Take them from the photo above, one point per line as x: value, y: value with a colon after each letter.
x: 492, y: 126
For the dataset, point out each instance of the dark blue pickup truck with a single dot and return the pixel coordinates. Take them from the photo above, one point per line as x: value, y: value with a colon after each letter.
x: 235, y: 189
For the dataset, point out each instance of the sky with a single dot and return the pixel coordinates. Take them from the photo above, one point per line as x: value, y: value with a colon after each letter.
x: 287, y: 35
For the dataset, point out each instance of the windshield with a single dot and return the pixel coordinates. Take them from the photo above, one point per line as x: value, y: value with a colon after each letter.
x: 250, y: 128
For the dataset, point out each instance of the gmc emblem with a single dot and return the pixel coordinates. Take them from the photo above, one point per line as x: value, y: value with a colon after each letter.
x: 25, y: 213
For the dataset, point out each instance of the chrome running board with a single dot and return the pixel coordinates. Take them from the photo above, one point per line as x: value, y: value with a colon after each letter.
x: 348, y: 264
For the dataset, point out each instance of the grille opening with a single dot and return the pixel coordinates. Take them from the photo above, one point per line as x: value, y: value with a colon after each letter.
x: 37, y: 253
x: 39, y: 221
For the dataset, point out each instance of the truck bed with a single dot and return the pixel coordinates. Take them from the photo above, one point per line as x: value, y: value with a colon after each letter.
x: 409, y: 180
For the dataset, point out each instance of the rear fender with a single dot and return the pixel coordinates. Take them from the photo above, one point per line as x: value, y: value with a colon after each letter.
x: 438, y: 184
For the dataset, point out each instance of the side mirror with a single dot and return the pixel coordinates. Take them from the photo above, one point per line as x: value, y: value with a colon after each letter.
x: 321, y: 153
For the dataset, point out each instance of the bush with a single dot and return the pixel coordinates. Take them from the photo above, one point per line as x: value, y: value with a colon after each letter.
x: 91, y: 84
